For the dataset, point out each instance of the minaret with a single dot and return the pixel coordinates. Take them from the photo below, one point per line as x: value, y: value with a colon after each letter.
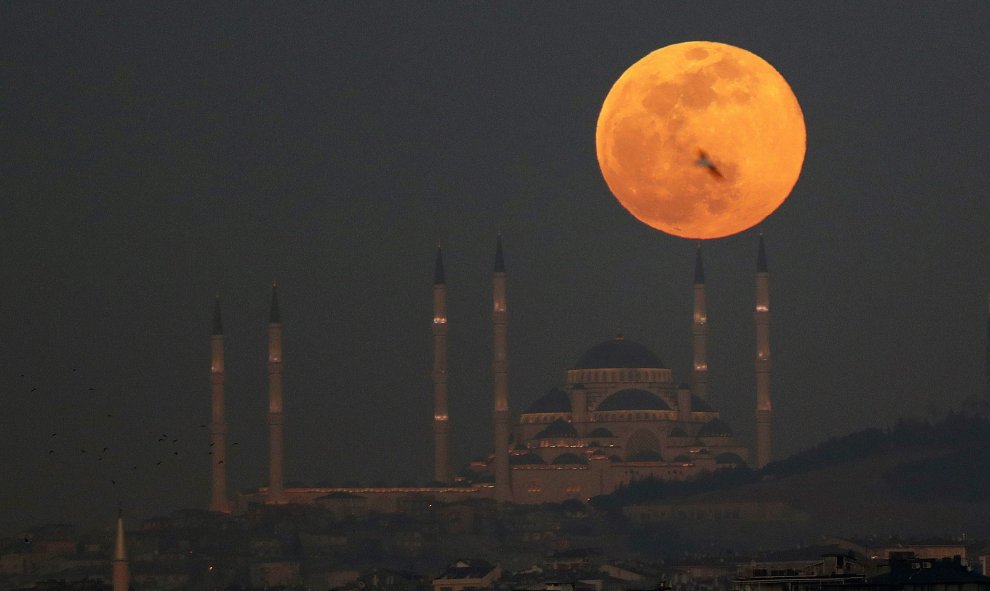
x: 276, y: 419
x: 218, y: 426
x: 441, y: 422
x: 121, y: 571
x: 761, y: 315
x: 500, y: 367
x: 699, y: 332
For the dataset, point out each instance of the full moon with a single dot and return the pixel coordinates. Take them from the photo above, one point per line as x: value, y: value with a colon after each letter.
x: 701, y: 139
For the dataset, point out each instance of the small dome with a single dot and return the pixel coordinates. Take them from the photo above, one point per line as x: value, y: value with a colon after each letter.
x: 699, y: 405
x: 529, y: 459
x: 729, y: 458
x: 556, y: 400
x: 715, y: 428
x: 618, y: 353
x: 678, y: 432
x: 633, y: 399
x: 646, y: 455
x: 599, y: 433
x: 557, y: 429
x: 569, y: 458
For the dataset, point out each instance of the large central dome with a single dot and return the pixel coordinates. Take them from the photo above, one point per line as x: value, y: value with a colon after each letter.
x: 618, y: 353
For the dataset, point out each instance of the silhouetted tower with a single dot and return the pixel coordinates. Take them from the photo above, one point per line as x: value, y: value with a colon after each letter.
x: 121, y: 570
x: 276, y: 418
x: 500, y: 367
x: 441, y: 422
x: 218, y: 426
x: 699, y: 332
x: 764, y: 409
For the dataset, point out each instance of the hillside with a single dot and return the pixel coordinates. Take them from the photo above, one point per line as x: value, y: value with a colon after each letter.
x: 917, y: 479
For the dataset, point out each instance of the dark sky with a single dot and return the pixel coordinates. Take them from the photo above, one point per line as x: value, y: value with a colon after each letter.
x: 154, y: 155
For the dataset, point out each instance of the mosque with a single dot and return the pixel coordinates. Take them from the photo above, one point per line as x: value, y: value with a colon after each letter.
x: 618, y: 416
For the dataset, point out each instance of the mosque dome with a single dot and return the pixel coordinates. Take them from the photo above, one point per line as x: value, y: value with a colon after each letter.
x: 618, y: 353
x: 633, y: 399
x: 557, y: 429
x: 526, y: 460
x: 715, y: 428
x: 699, y: 405
x: 555, y: 401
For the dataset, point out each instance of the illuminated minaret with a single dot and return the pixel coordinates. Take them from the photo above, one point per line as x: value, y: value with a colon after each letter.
x: 699, y: 332
x: 441, y: 423
x: 218, y: 426
x: 121, y: 570
x: 764, y: 410
x: 500, y: 367
x: 276, y: 419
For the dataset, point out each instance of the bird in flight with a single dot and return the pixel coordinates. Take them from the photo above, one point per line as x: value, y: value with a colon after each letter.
x: 706, y: 162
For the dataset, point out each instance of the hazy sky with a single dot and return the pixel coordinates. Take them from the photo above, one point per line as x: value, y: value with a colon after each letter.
x: 154, y: 155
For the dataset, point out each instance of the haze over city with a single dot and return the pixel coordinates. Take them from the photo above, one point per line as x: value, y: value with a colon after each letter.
x: 155, y: 156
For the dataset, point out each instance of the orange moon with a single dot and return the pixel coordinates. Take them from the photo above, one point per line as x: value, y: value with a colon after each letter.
x: 701, y: 139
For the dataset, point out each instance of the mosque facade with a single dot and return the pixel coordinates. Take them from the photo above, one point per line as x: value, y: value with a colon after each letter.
x: 618, y: 416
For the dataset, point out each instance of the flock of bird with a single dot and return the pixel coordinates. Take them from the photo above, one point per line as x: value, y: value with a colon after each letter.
x: 104, y: 449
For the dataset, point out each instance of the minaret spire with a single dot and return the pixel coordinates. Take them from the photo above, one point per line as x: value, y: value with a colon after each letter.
x: 441, y: 422
x: 500, y: 366
x: 121, y: 570
x: 218, y: 425
x: 699, y: 267
x: 988, y: 352
x: 274, y: 317
x: 761, y: 315
x: 699, y: 332
x: 499, y: 259
x: 439, y: 277
x: 276, y: 418
x: 761, y: 257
